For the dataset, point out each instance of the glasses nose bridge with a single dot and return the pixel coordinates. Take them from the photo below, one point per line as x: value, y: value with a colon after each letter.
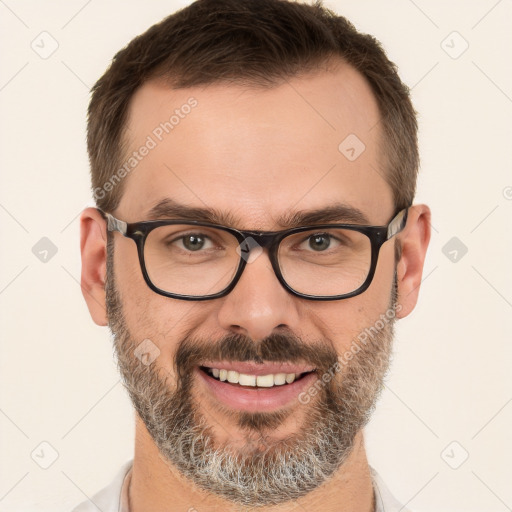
x: 253, y: 241
x: 265, y: 240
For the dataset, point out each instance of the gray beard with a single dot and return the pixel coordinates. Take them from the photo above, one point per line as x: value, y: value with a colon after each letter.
x: 265, y: 471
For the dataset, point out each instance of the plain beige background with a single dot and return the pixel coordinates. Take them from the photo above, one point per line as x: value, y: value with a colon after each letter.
x: 449, y: 393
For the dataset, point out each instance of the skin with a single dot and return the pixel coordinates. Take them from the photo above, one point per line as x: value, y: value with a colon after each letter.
x: 257, y: 154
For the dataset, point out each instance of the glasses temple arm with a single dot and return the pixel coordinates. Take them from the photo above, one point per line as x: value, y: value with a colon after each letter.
x: 398, y: 223
x: 114, y: 224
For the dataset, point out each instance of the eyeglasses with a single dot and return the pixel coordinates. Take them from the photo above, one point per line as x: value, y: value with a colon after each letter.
x: 194, y: 260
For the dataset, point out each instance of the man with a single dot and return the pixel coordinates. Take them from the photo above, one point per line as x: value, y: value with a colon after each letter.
x: 254, y: 166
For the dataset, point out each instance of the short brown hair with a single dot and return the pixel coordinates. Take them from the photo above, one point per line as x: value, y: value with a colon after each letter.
x: 248, y: 42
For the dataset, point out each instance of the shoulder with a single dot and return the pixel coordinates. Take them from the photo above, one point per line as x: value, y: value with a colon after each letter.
x: 384, y: 500
x: 107, y: 499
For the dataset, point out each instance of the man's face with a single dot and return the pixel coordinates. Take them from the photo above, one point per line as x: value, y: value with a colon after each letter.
x: 257, y: 155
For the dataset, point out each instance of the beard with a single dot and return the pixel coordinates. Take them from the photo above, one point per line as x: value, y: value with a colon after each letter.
x: 264, y: 470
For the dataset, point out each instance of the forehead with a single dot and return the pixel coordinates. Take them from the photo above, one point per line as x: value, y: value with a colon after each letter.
x: 257, y: 154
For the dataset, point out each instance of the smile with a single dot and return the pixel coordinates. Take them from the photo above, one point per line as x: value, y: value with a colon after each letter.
x: 260, y: 381
x: 254, y: 387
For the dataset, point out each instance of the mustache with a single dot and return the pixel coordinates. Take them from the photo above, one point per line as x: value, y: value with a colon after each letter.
x: 276, y: 348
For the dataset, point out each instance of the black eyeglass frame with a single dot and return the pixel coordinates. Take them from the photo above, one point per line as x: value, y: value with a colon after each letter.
x: 270, y: 240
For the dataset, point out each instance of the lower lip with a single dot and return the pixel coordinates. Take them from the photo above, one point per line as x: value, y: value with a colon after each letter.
x: 254, y: 399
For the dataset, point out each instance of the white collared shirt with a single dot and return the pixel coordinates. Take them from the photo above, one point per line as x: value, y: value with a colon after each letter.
x: 114, y: 497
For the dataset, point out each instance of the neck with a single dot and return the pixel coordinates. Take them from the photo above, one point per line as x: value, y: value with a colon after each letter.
x: 157, y: 486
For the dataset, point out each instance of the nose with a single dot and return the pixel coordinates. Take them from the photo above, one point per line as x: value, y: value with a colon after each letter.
x: 258, y: 303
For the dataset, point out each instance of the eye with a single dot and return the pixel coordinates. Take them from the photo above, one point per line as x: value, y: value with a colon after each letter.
x: 320, y: 241
x: 195, y: 242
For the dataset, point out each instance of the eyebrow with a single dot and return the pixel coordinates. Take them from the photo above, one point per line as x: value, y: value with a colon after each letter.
x: 337, y: 213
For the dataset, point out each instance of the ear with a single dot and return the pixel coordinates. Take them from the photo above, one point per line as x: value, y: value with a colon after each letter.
x: 414, y: 238
x: 93, y: 248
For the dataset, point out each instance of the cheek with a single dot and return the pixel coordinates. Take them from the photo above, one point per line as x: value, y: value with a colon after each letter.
x: 127, y: 267
x: 382, y: 284
x: 343, y: 321
x: 150, y: 316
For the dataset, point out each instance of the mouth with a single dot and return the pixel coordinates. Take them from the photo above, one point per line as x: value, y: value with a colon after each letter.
x: 255, y: 387
x: 268, y: 380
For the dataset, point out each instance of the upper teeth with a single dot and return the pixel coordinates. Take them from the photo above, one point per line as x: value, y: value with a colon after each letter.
x: 264, y: 381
